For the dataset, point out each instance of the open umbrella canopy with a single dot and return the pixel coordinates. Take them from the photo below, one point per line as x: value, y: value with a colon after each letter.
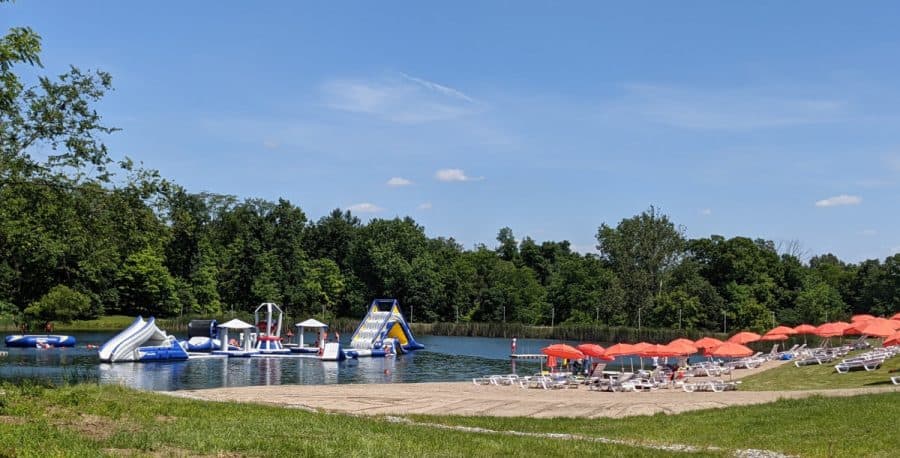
x: 805, y: 329
x: 642, y: 347
x: 620, y: 350
x: 832, y: 329
x: 708, y: 342
x: 782, y: 330
x: 680, y: 348
x: 682, y: 340
x: 311, y: 323
x: 896, y: 316
x: 861, y: 317
x: 879, y: 328
x: 731, y: 350
x: 770, y: 337
x: 684, y: 345
x: 892, y: 340
x: 236, y: 324
x: 563, y: 351
x: 593, y: 350
x: 657, y: 351
x: 744, y: 337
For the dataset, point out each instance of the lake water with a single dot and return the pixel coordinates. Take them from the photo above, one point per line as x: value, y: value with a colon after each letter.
x: 444, y: 359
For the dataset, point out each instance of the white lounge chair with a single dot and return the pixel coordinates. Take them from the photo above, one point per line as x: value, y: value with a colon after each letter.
x: 849, y: 364
x: 895, y: 380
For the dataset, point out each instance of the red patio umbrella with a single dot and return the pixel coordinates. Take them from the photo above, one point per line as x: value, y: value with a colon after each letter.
x: 805, y: 329
x: 782, y: 330
x: 594, y: 351
x: 744, y: 337
x: 682, y: 340
x: 876, y: 328
x: 683, y: 346
x: 731, y: 350
x: 642, y: 347
x: 708, y: 342
x: 661, y: 351
x: 861, y: 317
x: 896, y: 316
x: 563, y: 351
x: 832, y: 329
x: 892, y: 340
x: 621, y: 349
x: 856, y: 329
x: 770, y: 337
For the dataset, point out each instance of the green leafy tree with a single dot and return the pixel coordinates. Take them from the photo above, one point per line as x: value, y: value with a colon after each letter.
x: 61, y: 303
x: 642, y: 250
x: 145, y: 286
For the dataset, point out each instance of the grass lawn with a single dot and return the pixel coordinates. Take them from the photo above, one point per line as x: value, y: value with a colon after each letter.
x: 92, y: 420
x: 819, y: 377
x: 817, y: 426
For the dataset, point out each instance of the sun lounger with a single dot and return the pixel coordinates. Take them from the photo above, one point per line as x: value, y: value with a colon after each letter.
x: 813, y: 360
x: 509, y: 379
x: 848, y: 364
x: 895, y: 380
x: 716, y: 386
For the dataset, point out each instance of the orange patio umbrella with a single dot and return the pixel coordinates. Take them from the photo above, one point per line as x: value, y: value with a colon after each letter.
x: 856, y: 329
x: 621, y: 349
x: 832, y: 329
x: 594, y: 351
x: 896, y: 316
x: 805, y: 329
x: 892, y: 340
x: 744, y: 337
x: 563, y: 351
x: 682, y: 347
x: 861, y: 317
x: 684, y: 344
x: 782, y: 330
x: 731, y: 350
x: 770, y: 337
x: 876, y: 328
x: 682, y: 340
x: 661, y: 351
x: 642, y: 347
x: 708, y: 342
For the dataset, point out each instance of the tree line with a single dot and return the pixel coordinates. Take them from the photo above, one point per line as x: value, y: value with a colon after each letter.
x: 83, y: 235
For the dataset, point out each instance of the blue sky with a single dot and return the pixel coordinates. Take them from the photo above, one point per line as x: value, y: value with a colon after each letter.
x: 765, y: 119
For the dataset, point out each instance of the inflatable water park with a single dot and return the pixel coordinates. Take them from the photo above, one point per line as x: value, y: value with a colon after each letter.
x: 382, y: 332
x: 39, y: 341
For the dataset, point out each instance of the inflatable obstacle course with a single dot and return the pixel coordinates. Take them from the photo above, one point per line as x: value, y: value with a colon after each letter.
x: 383, y: 330
x: 142, y: 341
x: 41, y: 340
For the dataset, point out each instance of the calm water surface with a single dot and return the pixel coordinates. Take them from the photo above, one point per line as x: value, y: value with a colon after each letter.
x: 444, y: 359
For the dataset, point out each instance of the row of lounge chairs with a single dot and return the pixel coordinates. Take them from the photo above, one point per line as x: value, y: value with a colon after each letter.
x: 870, y: 360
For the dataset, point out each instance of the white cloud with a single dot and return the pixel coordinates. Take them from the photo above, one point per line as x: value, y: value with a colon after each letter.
x: 270, y: 144
x: 365, y: 207
x: 746, y: 109
x: 454, y: 175
x: 404, y: 99
x: 836, y: 201
x: 424, y: 206
x: 398, y: 181
x: 868, y: 232
x: 706, y: 212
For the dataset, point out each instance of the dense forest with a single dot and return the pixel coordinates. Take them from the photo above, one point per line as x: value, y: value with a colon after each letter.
x: 83, y: 235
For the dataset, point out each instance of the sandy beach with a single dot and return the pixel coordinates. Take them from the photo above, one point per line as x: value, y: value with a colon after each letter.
x: 466, y: 398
